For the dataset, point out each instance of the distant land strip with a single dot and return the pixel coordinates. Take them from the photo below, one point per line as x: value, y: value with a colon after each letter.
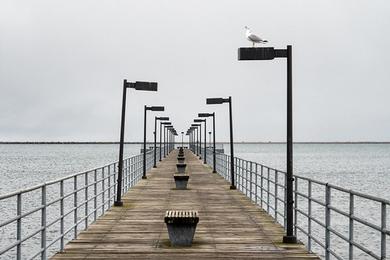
x: 178, y: 143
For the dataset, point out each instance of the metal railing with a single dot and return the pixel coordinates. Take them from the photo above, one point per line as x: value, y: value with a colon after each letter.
x: 334, y: 222
x: 39, y: 221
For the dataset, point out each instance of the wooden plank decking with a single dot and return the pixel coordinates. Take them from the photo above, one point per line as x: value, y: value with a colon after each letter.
x: 230, y: 226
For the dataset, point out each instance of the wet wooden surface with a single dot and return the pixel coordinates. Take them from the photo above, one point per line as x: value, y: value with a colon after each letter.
x: 230, y: 226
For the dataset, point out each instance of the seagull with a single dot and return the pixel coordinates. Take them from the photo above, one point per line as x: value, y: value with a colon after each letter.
x: 252, y: 37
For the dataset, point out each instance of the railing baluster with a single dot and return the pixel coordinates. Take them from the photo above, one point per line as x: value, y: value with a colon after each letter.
x: 250, y: 181
x: 94, y: 195
x: 268, y: 184
x: 351, y: 212
x: 296, y: 206
x: 43, y: 223
x: 276, y: 196
x: 285, y: 202
x: 383, y: 230
x: 109, y: 186
x: 103, y: 191
x: 309, y: 216
x: 126, y: 174
x: 256, y: 183
x: 115, y: 178
x: 86, y: 200
x: 62, y: 242
x: 327, y: 221
x: 74, y: 207
x: 19, y: 226
x: 262, y: 186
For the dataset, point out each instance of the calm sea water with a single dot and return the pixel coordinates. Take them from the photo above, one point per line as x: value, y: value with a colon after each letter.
x: 360, y: 167
x: 26, y: 165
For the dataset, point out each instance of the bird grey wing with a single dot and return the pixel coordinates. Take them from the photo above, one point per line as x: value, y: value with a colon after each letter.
x: 254, y: 38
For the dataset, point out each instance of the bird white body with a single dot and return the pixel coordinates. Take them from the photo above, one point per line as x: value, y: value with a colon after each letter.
x: 252, y: 37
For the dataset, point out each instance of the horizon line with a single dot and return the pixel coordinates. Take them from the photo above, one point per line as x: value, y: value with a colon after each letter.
x: 223, y: 142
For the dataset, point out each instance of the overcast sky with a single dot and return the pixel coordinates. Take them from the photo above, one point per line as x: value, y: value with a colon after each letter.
x: 62, y: 64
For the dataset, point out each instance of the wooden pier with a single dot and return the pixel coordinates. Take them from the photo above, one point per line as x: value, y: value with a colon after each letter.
x: 230, y: 225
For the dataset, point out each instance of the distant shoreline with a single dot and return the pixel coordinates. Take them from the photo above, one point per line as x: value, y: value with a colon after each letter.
x: 359, y: 142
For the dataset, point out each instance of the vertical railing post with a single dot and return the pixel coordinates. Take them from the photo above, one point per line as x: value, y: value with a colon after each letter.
x: 309, y: 215
x: 256, y: 183
x: 109, y: 186
x: 86, y: 199
x: 95, y: 195
x: 62, y: 242
x: 246, y: 178
x: 43, y: 223
x: 351, y: 213
x: 115, y: 177
x: 19, y: 226
x: 296, y: 207
x: 268, y: 184
x: 276, y: 195
x: 262, y: 185
x: 383, y: 230
x: 103, y: 191
x: 250, y: 180
x: 74, y: 207
x: 327, y: 221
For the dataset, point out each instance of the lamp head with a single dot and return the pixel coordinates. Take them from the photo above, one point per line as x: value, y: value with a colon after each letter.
x: 146, y: 86
x: 204, y: 114
x: 212, y: 101
x: 155, y: 108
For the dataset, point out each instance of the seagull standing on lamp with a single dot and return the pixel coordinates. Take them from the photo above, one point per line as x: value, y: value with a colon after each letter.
x: 253, y: 37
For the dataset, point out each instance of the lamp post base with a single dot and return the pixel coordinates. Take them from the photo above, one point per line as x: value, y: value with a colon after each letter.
x: 214, y: 171
x: 144, y: 177
x: 118, y: 203
x: 290, y: 239
x: 232, y: 187
x: 154, y: 166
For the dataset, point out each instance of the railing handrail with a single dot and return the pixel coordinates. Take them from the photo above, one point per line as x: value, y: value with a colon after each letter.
x: 357, y: 193
x: 269, y: 198
x: 21, y: 191
x: 74, y: 197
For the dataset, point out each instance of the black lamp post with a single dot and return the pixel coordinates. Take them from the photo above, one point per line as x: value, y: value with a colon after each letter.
x: 205, y: 138
x: 163, y: 126
x: 213, y: 115
x: 146, y: 108
x: 182, y: 140
x: 211, y: 101
x: 269, y: 53
x: 210, y: 139
x: 155, y: 136
x: 138, y: 85
x: 198, y: 132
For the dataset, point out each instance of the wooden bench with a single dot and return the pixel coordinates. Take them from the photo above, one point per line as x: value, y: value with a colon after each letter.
x: 181, y: 225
